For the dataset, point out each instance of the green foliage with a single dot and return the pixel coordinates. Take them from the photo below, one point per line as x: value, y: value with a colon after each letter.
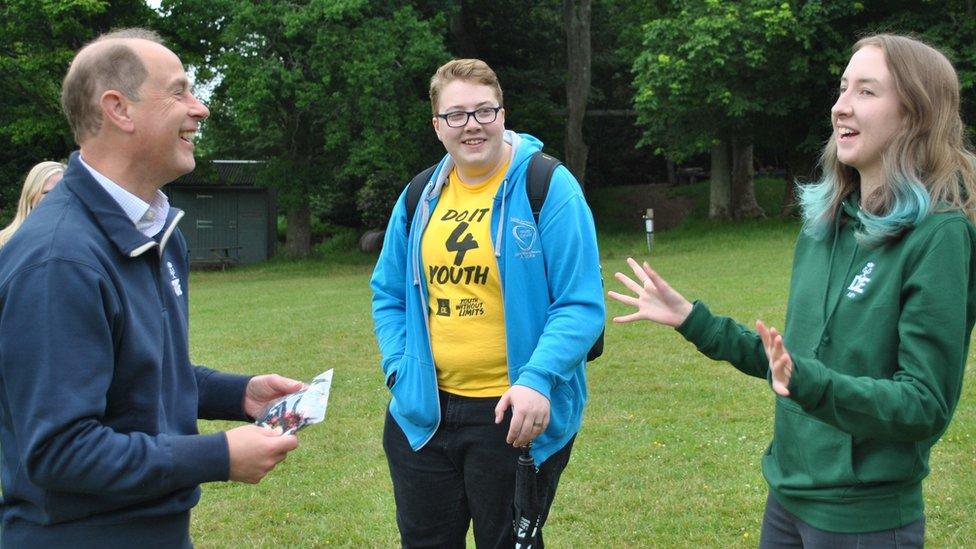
x: 344, y: 240
x: 331, y: 91
x: 327, y: 92
x: 767, y: 69
x: 376, y: 198
x: 710, y: 68
x: 37, y: 41
x: 524, y: 43
x: 949, y: 25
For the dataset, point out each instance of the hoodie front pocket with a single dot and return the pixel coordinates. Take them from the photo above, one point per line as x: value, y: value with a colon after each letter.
x: 414, y: 392
x: 810, y: 453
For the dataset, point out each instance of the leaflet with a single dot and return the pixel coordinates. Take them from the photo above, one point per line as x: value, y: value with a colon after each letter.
x: 293, y: 412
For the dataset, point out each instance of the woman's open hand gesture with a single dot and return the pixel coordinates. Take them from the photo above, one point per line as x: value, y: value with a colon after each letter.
x: 655, y: 300
x: 780, y: 362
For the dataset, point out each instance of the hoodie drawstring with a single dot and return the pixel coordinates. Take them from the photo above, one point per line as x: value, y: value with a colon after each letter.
x: 830, y: 267
x: 499, y: 234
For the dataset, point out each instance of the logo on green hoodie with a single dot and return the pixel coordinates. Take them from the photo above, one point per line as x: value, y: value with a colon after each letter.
x: 860, y: 282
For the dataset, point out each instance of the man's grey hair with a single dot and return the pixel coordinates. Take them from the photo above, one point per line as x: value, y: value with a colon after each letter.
x: 98, y: 67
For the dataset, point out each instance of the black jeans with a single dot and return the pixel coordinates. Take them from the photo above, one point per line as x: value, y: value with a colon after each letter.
x: 464, y: 474
x: 781, y: 529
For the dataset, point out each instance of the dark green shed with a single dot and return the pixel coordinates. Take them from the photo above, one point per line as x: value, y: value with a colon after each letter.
x: 228, y: 220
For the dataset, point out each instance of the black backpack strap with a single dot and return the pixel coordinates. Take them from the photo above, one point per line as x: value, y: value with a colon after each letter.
x: 538, y: 174
x: 414, y: 190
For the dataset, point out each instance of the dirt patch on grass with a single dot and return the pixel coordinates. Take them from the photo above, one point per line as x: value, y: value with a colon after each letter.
x: 623, y: 206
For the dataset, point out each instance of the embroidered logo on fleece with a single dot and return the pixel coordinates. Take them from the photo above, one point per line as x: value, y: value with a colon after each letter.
x: 860, y: 282
x: 175, y: 280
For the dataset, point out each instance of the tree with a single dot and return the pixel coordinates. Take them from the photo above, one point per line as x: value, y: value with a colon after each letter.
x: 576, y: 18
x: 949, y: 25
x: 326, y: 92
x: 37, y: 42
x: 718, y: 75
x: 525, y: 44
x: 576, y: 102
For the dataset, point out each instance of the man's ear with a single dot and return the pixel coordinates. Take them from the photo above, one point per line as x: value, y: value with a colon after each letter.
x: 115, y: 110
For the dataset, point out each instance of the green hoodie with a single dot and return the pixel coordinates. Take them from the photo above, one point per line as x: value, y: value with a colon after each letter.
x: 879, y: 338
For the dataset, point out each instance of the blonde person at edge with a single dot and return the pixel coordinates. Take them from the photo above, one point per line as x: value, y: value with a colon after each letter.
x: 869, y: 369
x: 484, y: 320
x: 40, y: 180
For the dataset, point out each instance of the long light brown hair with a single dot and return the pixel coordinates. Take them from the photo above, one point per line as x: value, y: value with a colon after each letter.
x: 928, y: 166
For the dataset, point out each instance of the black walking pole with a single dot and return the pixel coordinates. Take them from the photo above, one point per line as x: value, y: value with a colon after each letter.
x: 526, y: 503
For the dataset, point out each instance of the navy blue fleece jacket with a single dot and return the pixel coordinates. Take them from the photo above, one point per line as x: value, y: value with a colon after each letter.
x: 98, y: 398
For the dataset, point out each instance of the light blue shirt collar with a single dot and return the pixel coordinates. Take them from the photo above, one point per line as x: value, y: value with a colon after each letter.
x: 148, y: 219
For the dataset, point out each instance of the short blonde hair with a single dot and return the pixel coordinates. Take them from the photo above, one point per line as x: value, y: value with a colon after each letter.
x: 474, y: 70
x: 33, y: 186
x: 115, y: 67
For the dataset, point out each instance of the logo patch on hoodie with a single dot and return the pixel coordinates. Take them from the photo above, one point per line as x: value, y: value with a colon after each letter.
x: 174, y: 280
x: 526, y: 234
x: 860, y: 282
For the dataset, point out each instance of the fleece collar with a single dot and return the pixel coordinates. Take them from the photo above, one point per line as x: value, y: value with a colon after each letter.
x: 110, y: 216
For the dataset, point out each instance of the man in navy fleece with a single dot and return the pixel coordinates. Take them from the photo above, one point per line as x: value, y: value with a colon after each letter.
x: 98, y: 398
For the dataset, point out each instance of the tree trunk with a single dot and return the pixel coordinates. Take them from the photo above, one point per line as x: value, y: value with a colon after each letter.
x: 298, y: 236
x: 465, y: 45
x: 719, y: 202
x: 576, y: 19
x: 743, y: 176
x: 672, y: 173
x: 797, y: 166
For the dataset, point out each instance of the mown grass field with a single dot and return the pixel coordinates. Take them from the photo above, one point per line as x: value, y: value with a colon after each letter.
x: 670, y: 447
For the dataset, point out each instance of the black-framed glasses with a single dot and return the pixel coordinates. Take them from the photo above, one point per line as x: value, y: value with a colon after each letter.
x: 459, y: 119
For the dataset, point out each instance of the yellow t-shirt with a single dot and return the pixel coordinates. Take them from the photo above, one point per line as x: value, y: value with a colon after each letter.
x: 467, y: 318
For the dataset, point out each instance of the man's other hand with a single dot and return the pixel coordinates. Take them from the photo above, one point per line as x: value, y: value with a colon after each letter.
x: 254, y: 451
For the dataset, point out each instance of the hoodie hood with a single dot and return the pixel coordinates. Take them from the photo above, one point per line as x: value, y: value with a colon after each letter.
x: 523, y: 147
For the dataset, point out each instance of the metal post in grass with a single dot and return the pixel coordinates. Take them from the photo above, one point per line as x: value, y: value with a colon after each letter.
x: 649, y: 227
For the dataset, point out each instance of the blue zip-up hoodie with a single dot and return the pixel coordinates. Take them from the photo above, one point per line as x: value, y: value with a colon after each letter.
x: 551, y: 287
x: 98, y: 398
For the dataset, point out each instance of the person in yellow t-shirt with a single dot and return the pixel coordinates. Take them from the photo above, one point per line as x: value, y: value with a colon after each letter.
x: 484, y: 318
x: 465, y: 291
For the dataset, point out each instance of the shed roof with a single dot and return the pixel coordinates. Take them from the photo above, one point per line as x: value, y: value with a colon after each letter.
x: 223, y: 172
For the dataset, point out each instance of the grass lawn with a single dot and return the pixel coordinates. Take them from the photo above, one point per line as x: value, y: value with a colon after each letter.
x: 670, y: 448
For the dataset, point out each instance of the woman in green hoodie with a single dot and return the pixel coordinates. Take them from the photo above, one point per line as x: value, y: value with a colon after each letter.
x: 882, y: 303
